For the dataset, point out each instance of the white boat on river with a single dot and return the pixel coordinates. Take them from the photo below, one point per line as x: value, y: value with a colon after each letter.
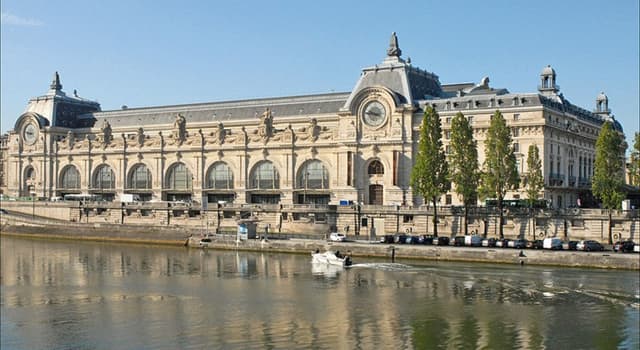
x: 331, y: 258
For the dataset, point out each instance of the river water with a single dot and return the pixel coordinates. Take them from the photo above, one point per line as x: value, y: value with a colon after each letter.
x: 76, y: 295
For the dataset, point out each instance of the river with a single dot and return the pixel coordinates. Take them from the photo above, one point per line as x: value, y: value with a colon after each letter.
x: 81, y: 295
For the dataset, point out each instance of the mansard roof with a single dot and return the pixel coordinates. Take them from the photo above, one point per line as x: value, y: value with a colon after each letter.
x: 227, y: 111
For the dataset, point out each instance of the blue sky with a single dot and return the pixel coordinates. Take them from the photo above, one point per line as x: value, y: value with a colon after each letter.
x: 149, y: 53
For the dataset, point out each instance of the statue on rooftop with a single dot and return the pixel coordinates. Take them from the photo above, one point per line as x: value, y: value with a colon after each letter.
x: 394, y: 49
x: 180, y: 128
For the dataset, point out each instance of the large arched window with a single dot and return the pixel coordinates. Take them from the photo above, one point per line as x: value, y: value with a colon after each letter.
x: 179, y: 178
x: 104, y: 178
x: 220, y: 177
x: 314, y: 175
x: 375, y: 168
x: 265, y: 176
x: 140, y: 177
x: 70, y: 178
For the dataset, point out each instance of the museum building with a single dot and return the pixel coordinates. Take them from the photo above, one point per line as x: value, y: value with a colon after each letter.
x: 316, y: 149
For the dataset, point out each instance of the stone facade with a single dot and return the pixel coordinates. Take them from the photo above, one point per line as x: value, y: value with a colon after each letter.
x: 321, y: 149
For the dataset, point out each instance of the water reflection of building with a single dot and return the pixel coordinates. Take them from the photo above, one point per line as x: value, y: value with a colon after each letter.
x: 231, y: 298
x: 356, y: 145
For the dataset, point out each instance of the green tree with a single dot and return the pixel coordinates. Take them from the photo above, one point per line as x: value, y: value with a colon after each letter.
x: 608, y: 176
x: 634, y: 168
x: 464, y: 163
x: 535, y: 181
x: 429, y: 176
x: 500, y: 172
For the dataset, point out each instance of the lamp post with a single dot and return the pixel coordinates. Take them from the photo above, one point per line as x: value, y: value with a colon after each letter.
x: 33, y: 205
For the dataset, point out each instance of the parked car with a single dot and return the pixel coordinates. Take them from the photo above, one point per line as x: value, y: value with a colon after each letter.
x: 337, y: 237
x: 590, y: 246
x: 441, y: 241
x: 519, y: 244
x: 473, y: 240
x: 401, y: 239
x: 458, y: 241
x: 489, y: 242
x: 428, y: 240
x: 571, y: 245
x: 386, y: 239
x: 623, y: 246
x: 502, y: 243
x: 537, y: 244
x: 552, y: 243
x: 412, y: 240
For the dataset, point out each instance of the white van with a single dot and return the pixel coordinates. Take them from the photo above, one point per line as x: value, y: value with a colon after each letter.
x: 473, y: 240
x: 552, y: 243
x: 337, y: 237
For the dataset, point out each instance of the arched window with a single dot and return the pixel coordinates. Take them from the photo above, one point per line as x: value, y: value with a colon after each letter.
x: 265, y: 176
x: 29, y: 173
x: 140, y: 177
x: 220, y: 177
x: 375, y: 168
x: 104, y: 178
x: 314, y: 175
x: 70, y: 178
x: 179, y: 178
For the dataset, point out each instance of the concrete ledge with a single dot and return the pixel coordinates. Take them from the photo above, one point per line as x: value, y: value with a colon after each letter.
x: 178, y: 237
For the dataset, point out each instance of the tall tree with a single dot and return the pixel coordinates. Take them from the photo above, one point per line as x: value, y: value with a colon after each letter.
x: 634, y: 166
x: 430, y: 175
x: 608, y: 176
x: 500, y: 172
x: 535, y: 181
x: 464, y: 163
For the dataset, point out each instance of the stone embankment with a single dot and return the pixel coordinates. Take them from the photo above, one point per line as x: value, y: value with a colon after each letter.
x: 17, y: 225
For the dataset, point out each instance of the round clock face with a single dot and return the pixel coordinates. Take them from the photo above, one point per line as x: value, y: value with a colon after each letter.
x: 30, y: 134
x: 374, y: 114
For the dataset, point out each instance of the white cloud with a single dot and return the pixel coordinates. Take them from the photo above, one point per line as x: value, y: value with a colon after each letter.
x: 13, y: 20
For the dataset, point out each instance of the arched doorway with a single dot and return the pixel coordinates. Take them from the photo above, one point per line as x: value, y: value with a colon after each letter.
x: 375, y: 170
x: 376, y: 194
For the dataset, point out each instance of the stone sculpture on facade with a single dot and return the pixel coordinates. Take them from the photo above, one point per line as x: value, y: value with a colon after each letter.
x: 180, y: 129
x: 105, y: 133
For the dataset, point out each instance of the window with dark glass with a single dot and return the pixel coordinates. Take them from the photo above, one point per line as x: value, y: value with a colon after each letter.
x: 70, y: 178
x: 265, y: 176
x: 314, y: 175
x: 140, y: 177
x: 220, y: 177
x: 179, y: 178
x: 104, y: 178
x: 376, y: 168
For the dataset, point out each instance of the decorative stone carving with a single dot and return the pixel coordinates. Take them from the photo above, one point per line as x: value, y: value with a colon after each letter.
x: 309, y: 132
x: 218, y: 134
x: 265, y: 129
x: 179, y: 129
x: 288, y: 135
x: 394, y: 49
x: 140, y: 137
x: 105, y: 133
x: 70, y: 140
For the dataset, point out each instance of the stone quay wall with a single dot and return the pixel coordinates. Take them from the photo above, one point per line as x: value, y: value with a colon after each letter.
x: 357, y: 221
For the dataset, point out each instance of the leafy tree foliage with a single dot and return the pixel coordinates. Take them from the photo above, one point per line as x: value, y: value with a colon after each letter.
x: 430, y: 174
x: 608, y: 176
x: 500, y: 172
x: 634, y: 168
x: 464, y: 163
x: 535, y: 181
